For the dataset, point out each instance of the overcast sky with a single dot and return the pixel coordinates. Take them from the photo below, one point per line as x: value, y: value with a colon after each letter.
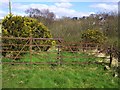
x: 70, y: 8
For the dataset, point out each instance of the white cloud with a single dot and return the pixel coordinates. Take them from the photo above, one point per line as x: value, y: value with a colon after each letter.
x: 60, y: 0
x: 104, y: 6
x: 2, y: 14
x: 24, y: 7
x: 18, y: 13
x: 60, y: 9
x: 63, y: 5
x: 4, y: 1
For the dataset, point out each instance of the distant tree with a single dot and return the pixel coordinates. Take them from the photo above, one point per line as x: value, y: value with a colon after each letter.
x: 75, y: 18
x: 47, y: 14
x: 44, y: 16
x: 33, y: 12
x: 108, y: 22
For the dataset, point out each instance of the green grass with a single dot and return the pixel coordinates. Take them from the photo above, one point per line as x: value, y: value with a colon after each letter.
x: 52, y: 57
x: 64, y: 76
x: 0, y: 76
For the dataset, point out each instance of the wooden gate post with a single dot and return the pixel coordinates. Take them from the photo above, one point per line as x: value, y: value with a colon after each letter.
x: 30, y: 49
x: 59, y: 52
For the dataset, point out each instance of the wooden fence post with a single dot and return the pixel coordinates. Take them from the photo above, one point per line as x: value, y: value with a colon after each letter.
x: 59, y: 54
x: 58, y: 57
x: 30, y: 49
x: 110, y: 53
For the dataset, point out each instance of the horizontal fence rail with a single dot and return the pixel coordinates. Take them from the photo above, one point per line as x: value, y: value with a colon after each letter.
x: 37, y: 51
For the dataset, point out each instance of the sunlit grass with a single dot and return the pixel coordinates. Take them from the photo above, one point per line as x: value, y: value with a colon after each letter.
x: 59, y: 76
x: 65, y: 76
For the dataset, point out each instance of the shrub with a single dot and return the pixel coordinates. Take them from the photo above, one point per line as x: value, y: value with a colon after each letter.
x: 18, y: 26
x: 93, y: 36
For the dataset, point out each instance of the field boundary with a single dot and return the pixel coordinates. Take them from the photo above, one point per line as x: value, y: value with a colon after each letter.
x: 60, y: 47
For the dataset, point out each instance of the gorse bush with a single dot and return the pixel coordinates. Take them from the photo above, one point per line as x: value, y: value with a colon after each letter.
x: 18, y: 26
x: 93, y: 36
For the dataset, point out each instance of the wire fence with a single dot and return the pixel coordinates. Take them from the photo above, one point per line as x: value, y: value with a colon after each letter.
x: 19, y: 50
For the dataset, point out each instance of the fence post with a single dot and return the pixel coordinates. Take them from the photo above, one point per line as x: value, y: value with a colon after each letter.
x: 30, y: 49
x: 59, y: 56
x: 110, y: 53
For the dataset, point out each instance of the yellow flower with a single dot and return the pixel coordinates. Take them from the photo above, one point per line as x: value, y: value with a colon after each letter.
x: 5, y: 31
x: 53, y: 43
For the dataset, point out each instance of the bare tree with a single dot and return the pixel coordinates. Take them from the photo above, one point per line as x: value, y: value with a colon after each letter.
x: 33, y: 12
x: 44, y: 16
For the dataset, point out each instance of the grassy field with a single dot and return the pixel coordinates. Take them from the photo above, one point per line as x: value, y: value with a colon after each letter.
x: 52, y: 57
x: 61, y: 76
